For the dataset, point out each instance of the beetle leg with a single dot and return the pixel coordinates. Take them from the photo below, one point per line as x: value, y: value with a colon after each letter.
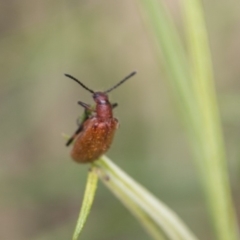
x: 87, y: 112
x: 114, y: 105
x: 85, y: 106
x: 70, y: 140
x: 80, y: 127
x: 86, y: 115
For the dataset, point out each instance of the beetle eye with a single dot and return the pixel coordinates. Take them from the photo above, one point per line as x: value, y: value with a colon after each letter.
x: 95, y: 95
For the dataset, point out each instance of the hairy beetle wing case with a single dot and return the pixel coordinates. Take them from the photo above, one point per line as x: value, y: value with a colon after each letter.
x: 94, y: 140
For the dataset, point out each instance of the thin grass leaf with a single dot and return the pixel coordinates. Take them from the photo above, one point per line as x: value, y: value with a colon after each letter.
x: 91, y: 187
x: 214, y: 166
x: 172, y: 54
x: 197, y: 97
x: 156, y: 217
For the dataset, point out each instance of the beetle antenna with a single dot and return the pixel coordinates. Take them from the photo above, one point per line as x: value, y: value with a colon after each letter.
x: 122, y: 81
x: 76, y: 80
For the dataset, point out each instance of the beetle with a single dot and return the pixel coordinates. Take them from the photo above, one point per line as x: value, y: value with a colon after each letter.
x: 95, y: 133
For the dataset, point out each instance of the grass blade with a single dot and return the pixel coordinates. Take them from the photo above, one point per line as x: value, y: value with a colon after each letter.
x: 214, y: 166
x: 195, y: 92
x: 156, y: 217
x: 174, y: 59
x: 88, y: 198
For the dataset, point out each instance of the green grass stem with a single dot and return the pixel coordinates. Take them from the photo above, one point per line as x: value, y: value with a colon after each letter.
x: 159, y: 221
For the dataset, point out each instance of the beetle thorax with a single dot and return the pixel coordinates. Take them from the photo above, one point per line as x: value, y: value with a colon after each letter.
x: 103, y: 106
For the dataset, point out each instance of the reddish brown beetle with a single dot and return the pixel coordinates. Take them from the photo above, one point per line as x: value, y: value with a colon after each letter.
x: 96, y: 131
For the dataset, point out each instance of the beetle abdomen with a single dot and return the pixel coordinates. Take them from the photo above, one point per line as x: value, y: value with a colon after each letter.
x: 94, y: 140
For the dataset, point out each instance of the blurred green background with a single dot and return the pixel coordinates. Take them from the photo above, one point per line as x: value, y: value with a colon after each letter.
x: 100, y: 42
